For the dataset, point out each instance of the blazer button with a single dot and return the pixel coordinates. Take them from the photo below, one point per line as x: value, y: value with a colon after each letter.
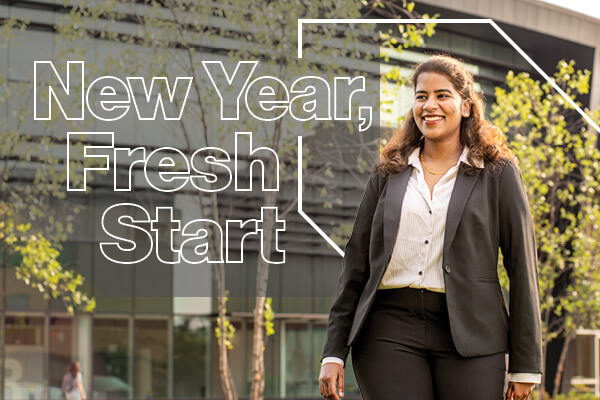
x: 447, y: 268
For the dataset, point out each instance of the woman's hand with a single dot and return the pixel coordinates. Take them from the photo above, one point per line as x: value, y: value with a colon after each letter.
x: 518, y: 390
x: 331, y: 381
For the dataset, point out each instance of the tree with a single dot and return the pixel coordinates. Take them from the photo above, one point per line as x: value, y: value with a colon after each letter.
x: 172, y: 38
x: 32, y: 221
x: 560, y: 164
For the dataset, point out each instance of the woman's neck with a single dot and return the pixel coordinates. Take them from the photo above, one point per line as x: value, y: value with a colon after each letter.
x: 442, y: 152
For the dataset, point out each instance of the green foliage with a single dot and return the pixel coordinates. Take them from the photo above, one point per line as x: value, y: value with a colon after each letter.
x: 35, y: 218
x: 229, y: 330
x: 576, y: 395
x: 9, y: 27
x: 39, y: 267
x: 560, y: 164
x: 269, y: 317
x: 341, y: 233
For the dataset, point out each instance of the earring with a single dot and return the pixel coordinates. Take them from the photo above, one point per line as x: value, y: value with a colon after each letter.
x: 466, y: 115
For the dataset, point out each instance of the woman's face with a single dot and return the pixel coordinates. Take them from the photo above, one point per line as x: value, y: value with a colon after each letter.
x: 438, y: 108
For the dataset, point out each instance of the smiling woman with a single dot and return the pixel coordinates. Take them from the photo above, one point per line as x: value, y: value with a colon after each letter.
x: 438, y: 107
x: 419, y: 302
x: 438, y: 111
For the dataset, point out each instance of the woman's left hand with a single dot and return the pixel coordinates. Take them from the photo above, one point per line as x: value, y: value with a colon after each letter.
x: 518, y: 390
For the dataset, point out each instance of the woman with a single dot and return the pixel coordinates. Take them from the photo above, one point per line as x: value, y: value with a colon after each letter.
x: 419, y: 301
x: 72, y: 384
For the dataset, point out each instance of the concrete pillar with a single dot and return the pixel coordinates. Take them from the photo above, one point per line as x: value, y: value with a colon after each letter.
x: 82, y: 347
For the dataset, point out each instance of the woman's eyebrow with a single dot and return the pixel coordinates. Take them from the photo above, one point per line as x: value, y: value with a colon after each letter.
x: 435, y: 91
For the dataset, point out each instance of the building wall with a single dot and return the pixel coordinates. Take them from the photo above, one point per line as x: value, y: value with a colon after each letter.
x: 166, y: 348
x: 541, y: 17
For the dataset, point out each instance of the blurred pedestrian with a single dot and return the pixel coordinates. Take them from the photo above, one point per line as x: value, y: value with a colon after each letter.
x: 72, y: 383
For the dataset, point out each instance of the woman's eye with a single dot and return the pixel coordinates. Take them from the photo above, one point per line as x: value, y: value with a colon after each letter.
x: 420, y: 97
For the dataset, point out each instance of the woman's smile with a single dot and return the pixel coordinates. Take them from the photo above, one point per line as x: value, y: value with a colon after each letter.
x: 432, y: 119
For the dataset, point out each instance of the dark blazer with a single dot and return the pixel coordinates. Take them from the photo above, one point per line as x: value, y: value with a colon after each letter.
x: 488, y: 210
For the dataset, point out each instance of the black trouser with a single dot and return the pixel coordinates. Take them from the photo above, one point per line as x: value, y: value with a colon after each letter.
x: 405, y: 352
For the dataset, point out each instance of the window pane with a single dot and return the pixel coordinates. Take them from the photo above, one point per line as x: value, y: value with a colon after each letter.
x: 350, y: 384
x: 24, y: 360
x: 300, y: 374
x: 191, y: 357
x: 111, y: 359
x: 151, y: 365
x: 20, y: 296
x: 60, y: 353
x: 112, y: 284
x: 584, y: 356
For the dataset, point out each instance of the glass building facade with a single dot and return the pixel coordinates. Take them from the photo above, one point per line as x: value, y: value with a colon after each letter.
x: 143, y: 341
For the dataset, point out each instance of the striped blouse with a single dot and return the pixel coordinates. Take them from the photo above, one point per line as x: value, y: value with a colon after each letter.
x: 417, y: 256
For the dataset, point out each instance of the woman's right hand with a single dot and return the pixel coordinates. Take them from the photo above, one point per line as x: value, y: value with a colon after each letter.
x: 331, y: 381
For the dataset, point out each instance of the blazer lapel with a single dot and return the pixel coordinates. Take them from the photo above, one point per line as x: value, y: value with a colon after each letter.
x: 461, y: 192
x: 396, y: 188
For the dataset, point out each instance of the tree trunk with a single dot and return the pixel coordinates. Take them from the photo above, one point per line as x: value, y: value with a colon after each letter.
x: 257, y: 390
x: 561, y: 362
x: 227, y: 383
x: 258, y: 347
x: 259, y: 338
x: 226, y: 378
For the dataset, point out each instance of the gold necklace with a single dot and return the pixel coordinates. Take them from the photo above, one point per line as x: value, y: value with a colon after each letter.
x: 428, y: 170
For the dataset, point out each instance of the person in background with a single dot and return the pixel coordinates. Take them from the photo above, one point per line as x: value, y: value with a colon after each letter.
x: 72, y: 383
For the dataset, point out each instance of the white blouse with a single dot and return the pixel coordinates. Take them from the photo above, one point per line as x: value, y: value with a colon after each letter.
x: 417, y: 255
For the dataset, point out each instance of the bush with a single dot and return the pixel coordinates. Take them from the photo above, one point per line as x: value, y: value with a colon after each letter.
x: 576, y: 395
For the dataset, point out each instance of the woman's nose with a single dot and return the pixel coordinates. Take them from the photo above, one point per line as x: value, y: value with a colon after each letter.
x: 430, y: 104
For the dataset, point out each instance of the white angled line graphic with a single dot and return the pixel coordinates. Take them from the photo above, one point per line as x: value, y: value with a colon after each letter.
x: 302, y: 213
x: 303, y: 21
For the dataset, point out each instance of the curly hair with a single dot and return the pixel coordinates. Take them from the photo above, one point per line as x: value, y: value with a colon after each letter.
x: 484, y: 140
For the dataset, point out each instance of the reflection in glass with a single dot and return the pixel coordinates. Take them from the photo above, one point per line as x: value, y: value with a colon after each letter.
x: 302, y: 356
x: 24, y: 358
x: 584, y: 348
x: 151, y: 358
x: 19, y: 296
x: 111, y: 359
x: 191, y: 357
x: 299, y: 378
x: 61, y: 343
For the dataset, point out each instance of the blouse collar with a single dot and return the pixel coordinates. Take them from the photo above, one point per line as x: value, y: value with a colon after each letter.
x: 413, y: 158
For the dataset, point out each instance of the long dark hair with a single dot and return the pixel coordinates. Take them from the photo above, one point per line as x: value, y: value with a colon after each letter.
x: 484, y: 140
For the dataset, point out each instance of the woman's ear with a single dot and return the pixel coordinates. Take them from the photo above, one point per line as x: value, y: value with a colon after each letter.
x: 466, y: 108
